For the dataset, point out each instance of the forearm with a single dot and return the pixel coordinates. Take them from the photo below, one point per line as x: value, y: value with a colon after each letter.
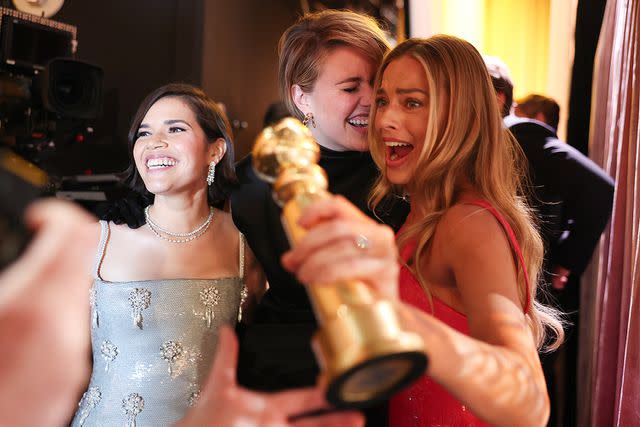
x: 499, y: 385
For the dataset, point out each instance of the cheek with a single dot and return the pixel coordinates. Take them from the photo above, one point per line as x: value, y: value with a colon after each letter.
x: 137, y: 151
x: 336, y: 104
x: 419, y: 128
x: 348, y: 102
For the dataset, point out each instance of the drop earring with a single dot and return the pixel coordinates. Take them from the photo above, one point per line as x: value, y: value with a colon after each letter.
x: 309, y: 120
x: 211, y: 176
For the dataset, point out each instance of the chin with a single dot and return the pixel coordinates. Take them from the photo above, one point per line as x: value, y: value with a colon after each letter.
x: 357, y: 145
x: 397, y: 178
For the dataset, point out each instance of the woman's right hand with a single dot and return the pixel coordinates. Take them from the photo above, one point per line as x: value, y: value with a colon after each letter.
x: 343, y: 243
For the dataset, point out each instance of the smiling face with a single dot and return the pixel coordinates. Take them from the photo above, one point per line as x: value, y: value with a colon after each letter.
x: 340, y: 100
x: 402, y: 116
x: 171, y: 151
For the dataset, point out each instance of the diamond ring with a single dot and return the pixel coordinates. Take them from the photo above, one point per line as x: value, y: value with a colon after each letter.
x: 362, y: 242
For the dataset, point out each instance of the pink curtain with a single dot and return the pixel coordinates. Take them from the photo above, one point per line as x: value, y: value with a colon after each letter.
x: 610, y: 344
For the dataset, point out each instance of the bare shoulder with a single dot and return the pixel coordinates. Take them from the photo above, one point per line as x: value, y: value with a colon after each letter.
x: 123, y: 231
x: 468, y: 220
x: 468, y: 228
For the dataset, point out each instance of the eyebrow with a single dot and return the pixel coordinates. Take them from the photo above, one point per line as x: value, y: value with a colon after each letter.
x: 166, y: 122
x: 350, y: 80
x: 404, y: 91
x: 410, y: 90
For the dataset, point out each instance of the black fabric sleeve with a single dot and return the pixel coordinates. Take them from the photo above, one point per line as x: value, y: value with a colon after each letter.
x: 129, y: 209
x: 561, y: 174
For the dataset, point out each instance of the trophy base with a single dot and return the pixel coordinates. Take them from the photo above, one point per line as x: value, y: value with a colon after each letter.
x: 365, y: 356
x: 375, y: 380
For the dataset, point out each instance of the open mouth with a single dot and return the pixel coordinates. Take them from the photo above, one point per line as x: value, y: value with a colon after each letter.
x: 359, y: 122
x: 161, y: 163
x: 398, y: 150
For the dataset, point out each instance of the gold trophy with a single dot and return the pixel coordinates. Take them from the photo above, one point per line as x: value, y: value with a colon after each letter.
x: 363, y: 354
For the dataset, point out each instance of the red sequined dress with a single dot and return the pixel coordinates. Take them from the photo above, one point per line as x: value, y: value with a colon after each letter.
x: 426, y: 403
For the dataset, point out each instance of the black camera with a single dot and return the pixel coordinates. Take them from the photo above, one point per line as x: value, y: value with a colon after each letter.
x: 47, y: 98
x: 43, y: 90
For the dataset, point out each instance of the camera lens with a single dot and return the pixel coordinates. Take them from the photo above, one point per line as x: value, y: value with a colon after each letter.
x: 73, y: 89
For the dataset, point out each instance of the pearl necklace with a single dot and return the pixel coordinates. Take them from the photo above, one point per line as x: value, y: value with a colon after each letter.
x: 181, y: 237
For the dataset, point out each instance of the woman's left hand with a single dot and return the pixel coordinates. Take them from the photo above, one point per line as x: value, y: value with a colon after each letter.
x: 344, y: 243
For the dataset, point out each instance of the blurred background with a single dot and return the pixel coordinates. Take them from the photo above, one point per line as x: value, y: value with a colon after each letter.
x: 73, y: 72
x: 229, y: 48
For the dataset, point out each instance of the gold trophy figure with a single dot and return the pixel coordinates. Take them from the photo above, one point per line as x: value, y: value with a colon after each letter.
x: 363, y: 354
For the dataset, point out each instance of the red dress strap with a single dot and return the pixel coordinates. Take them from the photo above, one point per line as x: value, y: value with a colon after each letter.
x: 512, y: 239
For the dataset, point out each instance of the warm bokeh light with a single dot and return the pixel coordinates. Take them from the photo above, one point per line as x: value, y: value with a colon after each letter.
x: 534, y: 38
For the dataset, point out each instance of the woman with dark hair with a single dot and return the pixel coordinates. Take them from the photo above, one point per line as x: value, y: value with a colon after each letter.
x: 327, y: 63
x: 213, y: 124
x: 162, y: 293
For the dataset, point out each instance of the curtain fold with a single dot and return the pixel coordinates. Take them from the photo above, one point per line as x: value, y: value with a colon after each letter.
x: 611, y: 301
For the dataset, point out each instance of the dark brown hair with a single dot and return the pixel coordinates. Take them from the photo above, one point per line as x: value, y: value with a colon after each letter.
x: 214, y: 124
x: 533, y: 104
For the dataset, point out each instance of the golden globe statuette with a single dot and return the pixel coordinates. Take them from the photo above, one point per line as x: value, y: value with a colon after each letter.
x: 363, y: 353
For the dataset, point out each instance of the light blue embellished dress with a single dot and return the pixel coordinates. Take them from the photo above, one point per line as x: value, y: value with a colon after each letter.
x: 153, y: 343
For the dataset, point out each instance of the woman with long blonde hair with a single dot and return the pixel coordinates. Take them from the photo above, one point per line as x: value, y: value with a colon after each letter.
x: 470, y: 252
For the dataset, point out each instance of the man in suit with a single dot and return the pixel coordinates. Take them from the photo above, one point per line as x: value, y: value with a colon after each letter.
x: 573, y: 199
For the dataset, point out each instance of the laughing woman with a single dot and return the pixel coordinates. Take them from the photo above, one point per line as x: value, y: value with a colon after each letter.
x: 327, y: 63
x: 162, y: 293
x: 470, y: 252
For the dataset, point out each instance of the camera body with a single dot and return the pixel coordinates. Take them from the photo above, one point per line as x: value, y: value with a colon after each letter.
x: 45, y: 93
x: 47, y: 99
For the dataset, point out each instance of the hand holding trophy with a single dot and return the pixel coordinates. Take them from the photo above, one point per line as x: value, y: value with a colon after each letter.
x: 363, y: 353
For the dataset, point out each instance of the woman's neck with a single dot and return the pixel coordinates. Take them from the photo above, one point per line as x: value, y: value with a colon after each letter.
x: 179, y: 214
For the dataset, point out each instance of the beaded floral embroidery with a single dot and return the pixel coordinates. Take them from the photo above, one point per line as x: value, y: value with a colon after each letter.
x: 244, y: 293
x: 90, y: 400
x: 94, y: 308
x: 171, y: 351
x: 132, y: 406
x: 109, y: 353
x: 139, y: 299
x: 210, y: 297
x: 193, y: 398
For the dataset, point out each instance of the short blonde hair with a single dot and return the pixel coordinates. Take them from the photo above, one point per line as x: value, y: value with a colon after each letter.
x: 304, y: 45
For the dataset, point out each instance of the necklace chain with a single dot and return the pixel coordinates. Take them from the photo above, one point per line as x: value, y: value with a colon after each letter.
x: 181, y: 237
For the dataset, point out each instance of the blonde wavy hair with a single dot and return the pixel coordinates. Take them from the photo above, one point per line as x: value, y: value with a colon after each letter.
x: 468, y: 144
x: 304, y: 45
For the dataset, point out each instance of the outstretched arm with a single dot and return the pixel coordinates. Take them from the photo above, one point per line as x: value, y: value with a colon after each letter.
x: 495, y: 370
x: 44, y: 317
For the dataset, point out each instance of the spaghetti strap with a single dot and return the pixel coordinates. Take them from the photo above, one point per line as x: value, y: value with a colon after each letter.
x: 241, y: 243
x: 102, y: 246
x: 514, y: 244
x: 244, y: 292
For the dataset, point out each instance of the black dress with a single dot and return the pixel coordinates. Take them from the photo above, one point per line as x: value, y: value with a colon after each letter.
x: 275, y: 350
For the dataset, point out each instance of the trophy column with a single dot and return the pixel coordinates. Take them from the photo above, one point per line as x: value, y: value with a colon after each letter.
x: 363, y: 353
